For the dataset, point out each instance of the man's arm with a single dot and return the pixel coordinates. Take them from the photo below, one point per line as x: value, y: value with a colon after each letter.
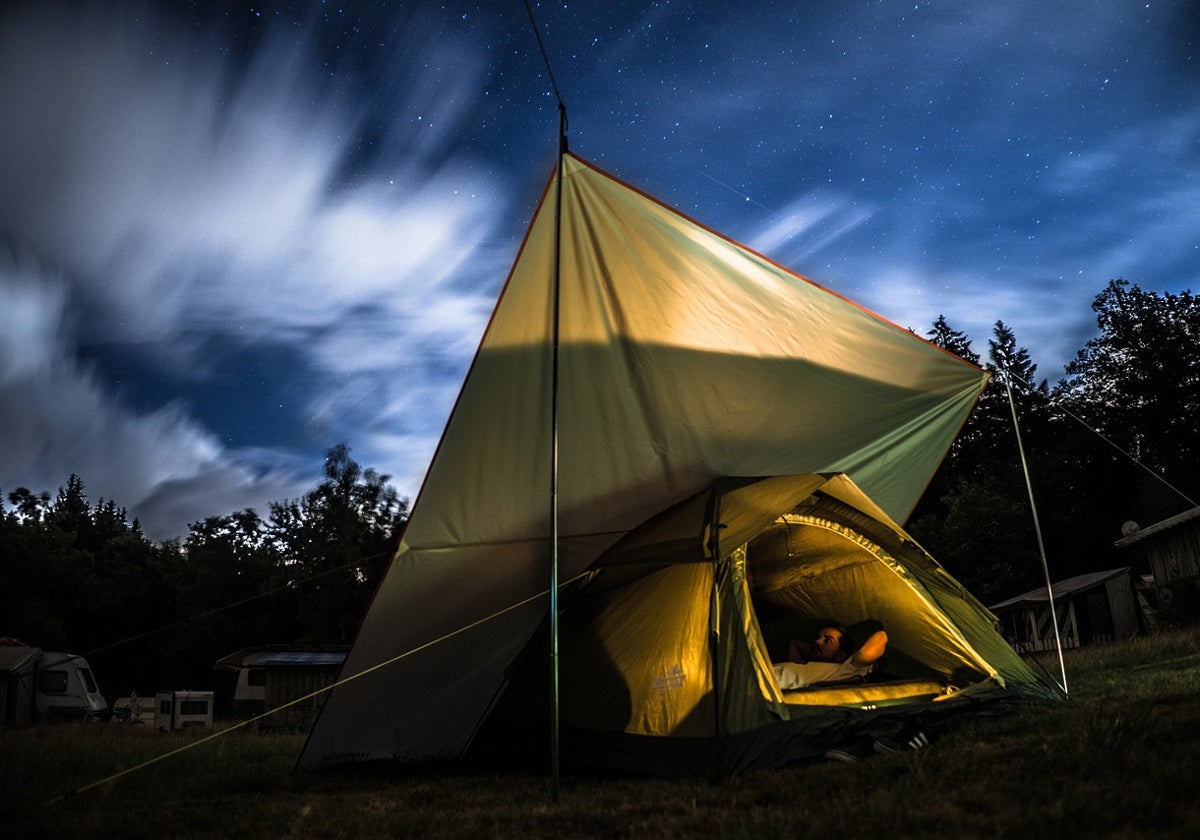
x: 798, y: 651
x: 871, y: 650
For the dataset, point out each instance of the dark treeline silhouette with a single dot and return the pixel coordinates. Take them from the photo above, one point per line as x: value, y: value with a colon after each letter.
x: 1135, y: 387
x: 80, y: 577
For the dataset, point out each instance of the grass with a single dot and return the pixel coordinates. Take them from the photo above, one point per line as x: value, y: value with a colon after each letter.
x: 1117, y: 760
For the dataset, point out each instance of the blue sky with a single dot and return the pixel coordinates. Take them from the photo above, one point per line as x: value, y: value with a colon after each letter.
x: 233, y: 234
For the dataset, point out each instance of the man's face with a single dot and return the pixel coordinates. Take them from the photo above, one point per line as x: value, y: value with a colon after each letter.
x: 827, y: 647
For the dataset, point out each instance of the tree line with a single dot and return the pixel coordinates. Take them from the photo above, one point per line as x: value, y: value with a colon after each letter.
x: 80, y: 577
x: 1114, y: 440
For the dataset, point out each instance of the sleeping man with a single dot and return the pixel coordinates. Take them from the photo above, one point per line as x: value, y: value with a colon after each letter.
x: 830, y: 657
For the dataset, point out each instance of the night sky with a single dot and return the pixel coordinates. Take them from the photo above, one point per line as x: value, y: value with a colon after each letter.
x: 234, y: 234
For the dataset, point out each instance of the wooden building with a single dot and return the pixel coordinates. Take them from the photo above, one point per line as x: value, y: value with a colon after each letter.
x: 1171, y: 549
x: 284, y: 681
x: 1091, y: 609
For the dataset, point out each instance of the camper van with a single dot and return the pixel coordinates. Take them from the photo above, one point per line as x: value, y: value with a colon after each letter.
x: 182, y: 710
x: 46, y: 685
x: 67, y: 688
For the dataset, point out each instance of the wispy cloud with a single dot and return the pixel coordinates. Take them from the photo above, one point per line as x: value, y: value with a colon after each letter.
x: 59, y: 418
x: 170, y: 199
x: 237, y: 257
x: 807, y: 225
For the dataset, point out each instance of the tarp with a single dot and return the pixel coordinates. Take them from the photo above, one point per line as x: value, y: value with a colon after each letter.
x: 683, y: 357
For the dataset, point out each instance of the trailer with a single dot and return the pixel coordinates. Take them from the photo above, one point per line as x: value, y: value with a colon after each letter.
x: 182, y: 709
x: 46, y: 686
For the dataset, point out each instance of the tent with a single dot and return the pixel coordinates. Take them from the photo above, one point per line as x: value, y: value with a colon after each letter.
x: 669, y: 638
x: 682, y: 358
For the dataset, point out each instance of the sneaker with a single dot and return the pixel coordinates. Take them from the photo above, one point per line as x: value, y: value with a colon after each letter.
x: 887, y: 745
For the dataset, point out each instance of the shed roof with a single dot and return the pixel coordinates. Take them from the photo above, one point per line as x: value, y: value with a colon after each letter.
x: 1070, y: 586
x: 1158, y: 527
x: 284, y: 657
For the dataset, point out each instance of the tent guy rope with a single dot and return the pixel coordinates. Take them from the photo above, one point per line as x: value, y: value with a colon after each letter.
x: 298, y: 700
x: 184, y: 622
x: 1058, y: 405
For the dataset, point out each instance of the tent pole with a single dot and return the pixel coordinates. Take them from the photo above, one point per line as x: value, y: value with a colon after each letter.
x: 714, y: 609
x: 1037, y: 528
x: 562, y: 151
x: 714, y: 630
x: 554, y: 699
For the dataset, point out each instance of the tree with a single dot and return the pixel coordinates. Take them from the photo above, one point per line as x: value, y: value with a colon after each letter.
x: 80, y: 578
x: 109, y: 522
x: 71, y: 512
x: 981, y: 532
x: 44, y: 579
x: 1138, y: 382
x: 333, y: 544
x: 975, y: 514
x: 955, y: 341
x: 29, y: 507
x: 227, y: 564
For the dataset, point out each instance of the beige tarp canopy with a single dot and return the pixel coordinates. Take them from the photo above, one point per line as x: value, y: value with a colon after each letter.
x: 683, y: 357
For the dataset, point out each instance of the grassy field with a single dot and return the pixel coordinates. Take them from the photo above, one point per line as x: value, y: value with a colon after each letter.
x: 1119, y: 759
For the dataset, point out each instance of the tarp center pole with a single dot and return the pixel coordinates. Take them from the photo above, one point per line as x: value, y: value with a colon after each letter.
x: 554, y: 721
x: 1037, y: 526
x: 562, y: 151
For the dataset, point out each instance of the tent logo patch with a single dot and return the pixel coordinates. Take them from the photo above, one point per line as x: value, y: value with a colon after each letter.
x: 674, y: 678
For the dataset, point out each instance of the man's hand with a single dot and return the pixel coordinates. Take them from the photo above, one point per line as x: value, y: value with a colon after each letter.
x: 798, y: 651
x: 871, y: 651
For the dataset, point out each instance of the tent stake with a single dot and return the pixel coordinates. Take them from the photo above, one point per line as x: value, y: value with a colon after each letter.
x: 1037, y: 528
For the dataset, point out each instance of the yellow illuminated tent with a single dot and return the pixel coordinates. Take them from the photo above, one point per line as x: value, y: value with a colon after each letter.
x: 689, y: 368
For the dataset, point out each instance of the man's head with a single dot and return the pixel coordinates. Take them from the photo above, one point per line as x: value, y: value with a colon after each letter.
x: 832, y: 644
